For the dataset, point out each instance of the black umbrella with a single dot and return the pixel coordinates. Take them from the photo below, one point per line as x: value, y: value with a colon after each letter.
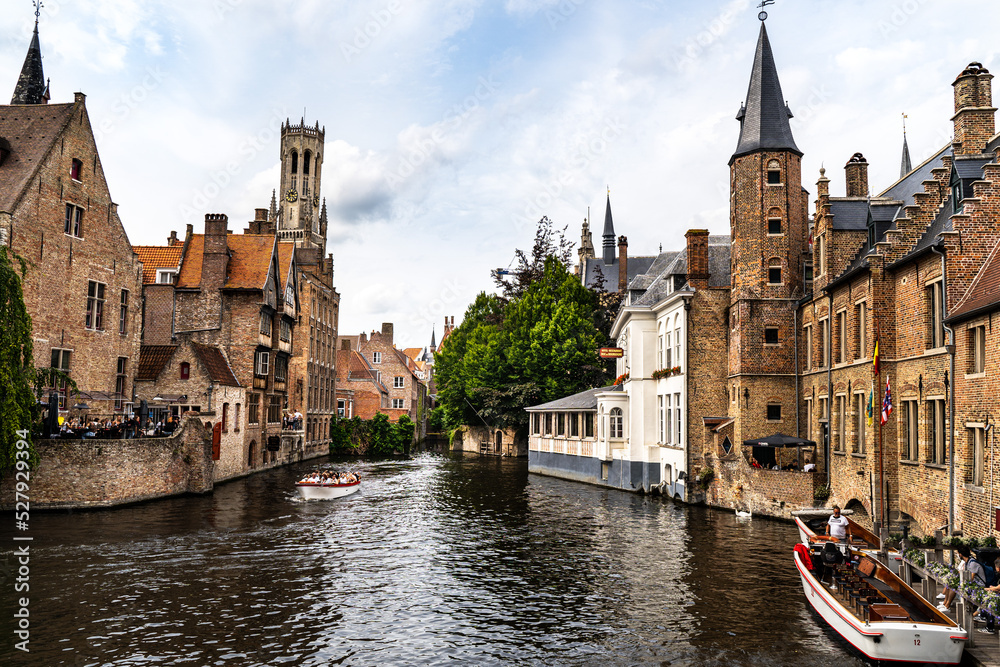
x: 779, y: 440
x: 52, y: 419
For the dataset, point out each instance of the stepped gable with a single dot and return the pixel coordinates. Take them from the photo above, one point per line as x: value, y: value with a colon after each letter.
x: 31, y: 131
x: 904, y: 189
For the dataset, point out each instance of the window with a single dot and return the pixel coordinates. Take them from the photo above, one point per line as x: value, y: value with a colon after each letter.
x: 285, y: 331
x: 659, y: 349
x: 560, y: 424
x: 377, y: 357
x: 860, y: 417
x: 935, y: 431
x: 617, y: 426
x: 809, y: 415
x: 280, y: 368
x: 842, y: 336
x: 977, y: 349
x: 397, y: 382
x: 774, y: 412
x: 662, y: 414
x: 165, y: 276
x: 262, y: 364
x: 378, y: 376
x: 770, y: 335
x: 821, y: 253
x: 185, y: 370
x: 667, y: 435
x: 274, y: 409
x: 977, y: 443
x: 76, y: 170
x: 342, y: 410
x: 677, y: 340
x: 397, y: 404
x: 824, y: 334
x: 774, y: 272
x: 548, y: 423
x: 677, y: 417
x: 74, y: 221
x: 668, y: 360
x: 774, y: 173
x: 956, y: 191
x: 932, y: 302
x: 120, y: 380
x: 574, y: 425
x: 861, y: 330
x: 295, y: 162
x: 807, y: 270
x: 265, y: 324
x: 809, y: 346
x: 123, y: 314
x: 95, y: 306
x: 225, y: 417
x: 253, y: 408
x: 910, y: 431
x: 236, y: 421
x: 840, y: 423
x: 588, y: 425
x: 774, y: 226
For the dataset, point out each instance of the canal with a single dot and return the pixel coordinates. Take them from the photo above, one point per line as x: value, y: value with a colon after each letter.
x: 438, y: 560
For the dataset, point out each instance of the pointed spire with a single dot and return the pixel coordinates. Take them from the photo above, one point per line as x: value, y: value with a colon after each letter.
x: 433, y: 338
x: 764, y: 117
x: 322, y: 214
x: 905, y: 166
x: 608, y: 245
x: 273, y: 214
x: 31, y: 87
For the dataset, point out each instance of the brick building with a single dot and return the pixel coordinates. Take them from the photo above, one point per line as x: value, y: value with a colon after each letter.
x: 614, y: 269
x: 84, y: 283
x: 360, y: 391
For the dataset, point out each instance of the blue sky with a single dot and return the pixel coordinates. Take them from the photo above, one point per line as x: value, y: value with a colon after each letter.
x: 452, y: 125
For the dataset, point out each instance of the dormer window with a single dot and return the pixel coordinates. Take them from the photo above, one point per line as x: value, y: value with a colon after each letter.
x: 76, y: 170
x: 165, y: 276
x: 774, y: 173
x: 956, y: 191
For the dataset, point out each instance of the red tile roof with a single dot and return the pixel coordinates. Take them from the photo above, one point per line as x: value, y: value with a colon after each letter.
x: 215, y: 362
x: 157, y: 257
x: 31, y: 130
x: 249, y: 261
x: 285, y: 253
x: 152, y: 359
x: 984, y: 292
x: 190, y: 275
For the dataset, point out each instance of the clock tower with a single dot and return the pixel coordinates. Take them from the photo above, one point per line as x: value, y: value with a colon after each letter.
x: 299, y: 215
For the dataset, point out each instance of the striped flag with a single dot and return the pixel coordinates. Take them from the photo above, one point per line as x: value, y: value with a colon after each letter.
x: 875, y: 359
x: 886, y: 402
x: 871, y: 404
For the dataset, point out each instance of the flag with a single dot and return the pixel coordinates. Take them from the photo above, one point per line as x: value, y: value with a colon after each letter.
x: 886, y: 403
x: 871, y: 404
x: 875, y: 359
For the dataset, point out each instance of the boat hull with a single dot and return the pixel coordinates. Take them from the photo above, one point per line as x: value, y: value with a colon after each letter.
x: 895, y: 558
x: 312, y: 491
x: 908, y: 642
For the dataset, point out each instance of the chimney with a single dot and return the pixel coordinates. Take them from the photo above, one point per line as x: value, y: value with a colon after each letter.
x: 387, y: 331
x: 622, y: 263
x: 697, y: 258
x: 857, y: 176
x: 362, y: 338
x: 172, y: 240
x: 974, y: 110
x: 260, y: 215
x: 345, y: 344
x: 216, y: 252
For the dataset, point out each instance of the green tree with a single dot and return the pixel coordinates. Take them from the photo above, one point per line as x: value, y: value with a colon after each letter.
x: 17, y: 371
x: 381, y: 437
x: 403, y: 431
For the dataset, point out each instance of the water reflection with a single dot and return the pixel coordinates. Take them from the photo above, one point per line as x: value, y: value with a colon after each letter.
x: 437, y: 560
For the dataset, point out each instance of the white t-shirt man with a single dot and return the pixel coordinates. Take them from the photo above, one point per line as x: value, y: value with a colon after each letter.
x: 809, y: 467
x: 838, y: 526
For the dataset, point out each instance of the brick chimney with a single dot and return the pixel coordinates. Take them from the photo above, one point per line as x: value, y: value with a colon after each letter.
x: 974, y: 110
x: 857, y: 176
x: 622, y: 263
x: 216, y: 253
x: 345, y: 344
x: 172, y: 240
x: 697, y: 252
x: 387, y: 331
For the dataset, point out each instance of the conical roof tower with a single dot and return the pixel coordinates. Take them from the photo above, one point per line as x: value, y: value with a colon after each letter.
x: 31, y: 88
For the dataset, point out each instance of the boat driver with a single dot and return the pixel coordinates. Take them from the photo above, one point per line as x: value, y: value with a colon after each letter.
x: 838, y: 526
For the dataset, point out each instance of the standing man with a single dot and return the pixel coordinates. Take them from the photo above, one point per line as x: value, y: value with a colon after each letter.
x: 838, y: 527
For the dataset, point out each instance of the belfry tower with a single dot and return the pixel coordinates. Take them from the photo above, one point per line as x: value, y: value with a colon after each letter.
x: 300, y: 216
x: 768, y: 220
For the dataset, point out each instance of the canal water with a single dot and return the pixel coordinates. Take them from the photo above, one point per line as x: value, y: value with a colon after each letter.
x: 438, y: 560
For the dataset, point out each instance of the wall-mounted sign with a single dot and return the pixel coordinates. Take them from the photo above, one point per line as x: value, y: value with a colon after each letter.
x: 611, y: 353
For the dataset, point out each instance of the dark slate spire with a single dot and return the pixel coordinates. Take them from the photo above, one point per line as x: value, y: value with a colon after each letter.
x: 609, y: 246
x: 433, y: 338
x: 905, y: 166
x: 31, y: 88
x: 764, y: 117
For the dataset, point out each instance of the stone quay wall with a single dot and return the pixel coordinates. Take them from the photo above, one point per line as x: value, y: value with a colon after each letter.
x: 105, y: 473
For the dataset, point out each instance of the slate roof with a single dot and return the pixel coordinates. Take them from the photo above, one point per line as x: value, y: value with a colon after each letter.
x: 31, y: 88
x: 984, y: 293
x: 849, y: 215
x: 585, y: 400
x: 942, y: 223
x: 152, y: 359
x: 216, y: 364
x: 660, y: 281
x: 249, y: 261
x: 904, y: 189
x: 636, y: 266
x: 157, y: 257
x: 31, y: 131
x: 764, y: 119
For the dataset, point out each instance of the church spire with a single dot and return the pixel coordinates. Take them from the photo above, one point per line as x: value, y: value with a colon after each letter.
x: 31, y: 87
x: 608, y: 244
x: 764, y: 117
x: 905, y: 166
x: 273, y: 213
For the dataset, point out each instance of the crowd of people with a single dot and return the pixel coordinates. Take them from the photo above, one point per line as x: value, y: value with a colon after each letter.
x: 330, y: 477
x: 116, y: 427
x: 792, y: 466
x: 291, y: 421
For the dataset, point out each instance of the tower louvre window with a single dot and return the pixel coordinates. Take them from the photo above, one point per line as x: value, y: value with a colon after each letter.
x: 295, y: 162
x: 305, y: 163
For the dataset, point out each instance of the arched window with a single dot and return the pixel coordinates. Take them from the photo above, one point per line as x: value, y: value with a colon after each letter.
x: 306, y: 159
x: 616, y: 426
x: 225, y: 417
x: 295, y: 162
x: 774, y: 222
x: 774, y: 172
x: 774, y: 272
x: 252, y: 454
x: 185, y: 370
x: 659, y: 345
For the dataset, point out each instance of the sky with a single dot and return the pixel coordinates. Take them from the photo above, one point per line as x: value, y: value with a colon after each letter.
x: 452, y: 126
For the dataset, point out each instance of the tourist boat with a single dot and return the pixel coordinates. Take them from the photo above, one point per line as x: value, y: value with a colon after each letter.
x: 321, y: 491
x: 876, y: 612
x: 862, y: 539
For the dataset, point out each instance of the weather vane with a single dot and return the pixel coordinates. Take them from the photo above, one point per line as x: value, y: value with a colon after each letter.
x: 763, y: 15
x: 38, y: 8
x: 904, y: 122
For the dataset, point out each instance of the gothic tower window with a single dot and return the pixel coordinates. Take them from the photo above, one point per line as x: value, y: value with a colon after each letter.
x: 774, y: 172
x: 295, y: 162
x: 774, y: 222
x: 774, y: 272
x: 305, y: 163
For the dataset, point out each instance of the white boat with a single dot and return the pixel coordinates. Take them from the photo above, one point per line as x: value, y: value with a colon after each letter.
x: 321, y: 491
x: 880, y: 616
x: 862, y: 539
